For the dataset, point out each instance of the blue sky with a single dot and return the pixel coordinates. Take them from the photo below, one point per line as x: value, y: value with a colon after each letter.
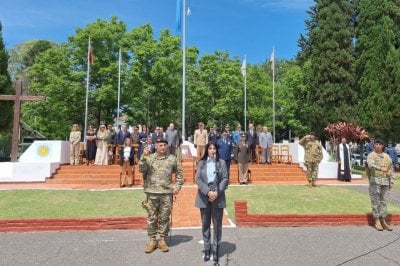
x: 250, y: 27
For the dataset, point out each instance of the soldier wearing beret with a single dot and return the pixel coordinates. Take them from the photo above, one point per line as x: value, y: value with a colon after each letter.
x: 312, y: 157
x: 380, y: 181
x: 159, y: 188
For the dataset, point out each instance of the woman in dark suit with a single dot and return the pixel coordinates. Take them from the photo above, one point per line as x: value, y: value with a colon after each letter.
x: 212, y: 180
x: 126, y: 162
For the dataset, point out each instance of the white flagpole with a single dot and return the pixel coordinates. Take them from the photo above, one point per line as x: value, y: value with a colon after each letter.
x: 183, y: 68
x: 245, y: 93
x: 273, y: 90
x: 87, y: 86
x: 119, y: 85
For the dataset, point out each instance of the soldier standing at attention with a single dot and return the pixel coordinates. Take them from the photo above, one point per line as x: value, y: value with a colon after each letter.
x: 159, y: 188
x: 380, y: 182
x: 74, y: 140
x: 312, y: 157
x: 200, y: 139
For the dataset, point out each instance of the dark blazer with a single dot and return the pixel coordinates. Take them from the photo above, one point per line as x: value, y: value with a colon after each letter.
x: 252, y: 139
x: 224, y: 149
x: 202, y: 184
x: 121, y: 136
x: 131, y: 156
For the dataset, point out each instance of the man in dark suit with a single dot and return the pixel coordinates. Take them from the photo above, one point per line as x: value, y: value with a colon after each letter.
x: 224, y: 146
x: 122, y: 135
x: 251, y: 138
x: 212, y: 180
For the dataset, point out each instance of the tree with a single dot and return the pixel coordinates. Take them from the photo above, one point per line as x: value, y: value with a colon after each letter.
x: 23, y: 56
x: 292, y: 95
x: 219, y: 97
x: 153, y: 76
x: 378, y: 67
x: 6, y: 107
x: 106, y: 40
x: 53, y: 76
x: 332, y: 94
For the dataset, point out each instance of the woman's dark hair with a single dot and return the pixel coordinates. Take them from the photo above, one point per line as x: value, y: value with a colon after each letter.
x: 205, y: 156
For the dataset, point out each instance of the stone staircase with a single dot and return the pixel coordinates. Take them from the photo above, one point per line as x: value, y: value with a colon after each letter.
x: 109, y: 176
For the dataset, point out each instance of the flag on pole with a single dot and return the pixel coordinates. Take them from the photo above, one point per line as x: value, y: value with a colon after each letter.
x: 90, y: 53
x: 243, y: 68
x: 179, y: 6
x: 272, y: 59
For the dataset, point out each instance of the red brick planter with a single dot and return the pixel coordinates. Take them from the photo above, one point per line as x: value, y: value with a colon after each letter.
x: 244, y: 219
x: 72, y: 224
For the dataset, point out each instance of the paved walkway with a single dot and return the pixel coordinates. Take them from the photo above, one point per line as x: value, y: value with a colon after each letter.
x: 240, y: 246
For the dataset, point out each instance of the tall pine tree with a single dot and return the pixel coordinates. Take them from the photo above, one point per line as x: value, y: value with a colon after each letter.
x: 378, y: 67
x: 329, y: 49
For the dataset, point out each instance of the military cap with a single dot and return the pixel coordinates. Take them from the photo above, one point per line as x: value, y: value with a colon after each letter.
x: 243, y: 134
x: 224, y: 132
x: 227, y: 125
x: 238, y: 125
x: 380, y: 141
x: 161, y: 140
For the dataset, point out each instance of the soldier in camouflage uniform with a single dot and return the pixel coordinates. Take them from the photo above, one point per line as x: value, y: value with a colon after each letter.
x: 380, y: 181
x: 312, y: 158
x: 159, y: 188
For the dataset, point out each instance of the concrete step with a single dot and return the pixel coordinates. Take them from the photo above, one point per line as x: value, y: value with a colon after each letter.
x: 103, y: 175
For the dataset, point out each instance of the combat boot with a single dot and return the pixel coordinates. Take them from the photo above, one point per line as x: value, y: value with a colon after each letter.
x: 378, y: 225
x: 152, y: 245
x: 385, y: 225
x: 162, y: 244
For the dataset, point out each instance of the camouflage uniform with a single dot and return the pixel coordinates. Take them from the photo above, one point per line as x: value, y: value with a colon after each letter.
x: 158, y: 187
x: 312, y: 158
x: 379, y: 182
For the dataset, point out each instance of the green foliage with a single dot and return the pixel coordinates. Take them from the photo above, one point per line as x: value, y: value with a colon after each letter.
x: 5, y: 146
x: 331, y: 95
x: 154, y: 73
x: 347, y: 70
x: 5, y: 88
x: 52, y: 76
x: 378, y: 66
x: 23, y: 56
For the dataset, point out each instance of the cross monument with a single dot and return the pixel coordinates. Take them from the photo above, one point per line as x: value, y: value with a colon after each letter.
x: 17, y: 98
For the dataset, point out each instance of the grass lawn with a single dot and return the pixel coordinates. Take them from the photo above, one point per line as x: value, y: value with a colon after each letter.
x: 18, y: 204
x: 301, y: 200
x: 70, y: 203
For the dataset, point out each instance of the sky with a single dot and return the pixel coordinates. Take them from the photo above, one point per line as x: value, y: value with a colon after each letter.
x: 241, y: 27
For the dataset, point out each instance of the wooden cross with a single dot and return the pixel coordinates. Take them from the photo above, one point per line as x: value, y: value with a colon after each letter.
x: 17, y: 98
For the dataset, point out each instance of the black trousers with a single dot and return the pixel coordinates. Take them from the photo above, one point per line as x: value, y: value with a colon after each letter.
x: 215, y: 214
